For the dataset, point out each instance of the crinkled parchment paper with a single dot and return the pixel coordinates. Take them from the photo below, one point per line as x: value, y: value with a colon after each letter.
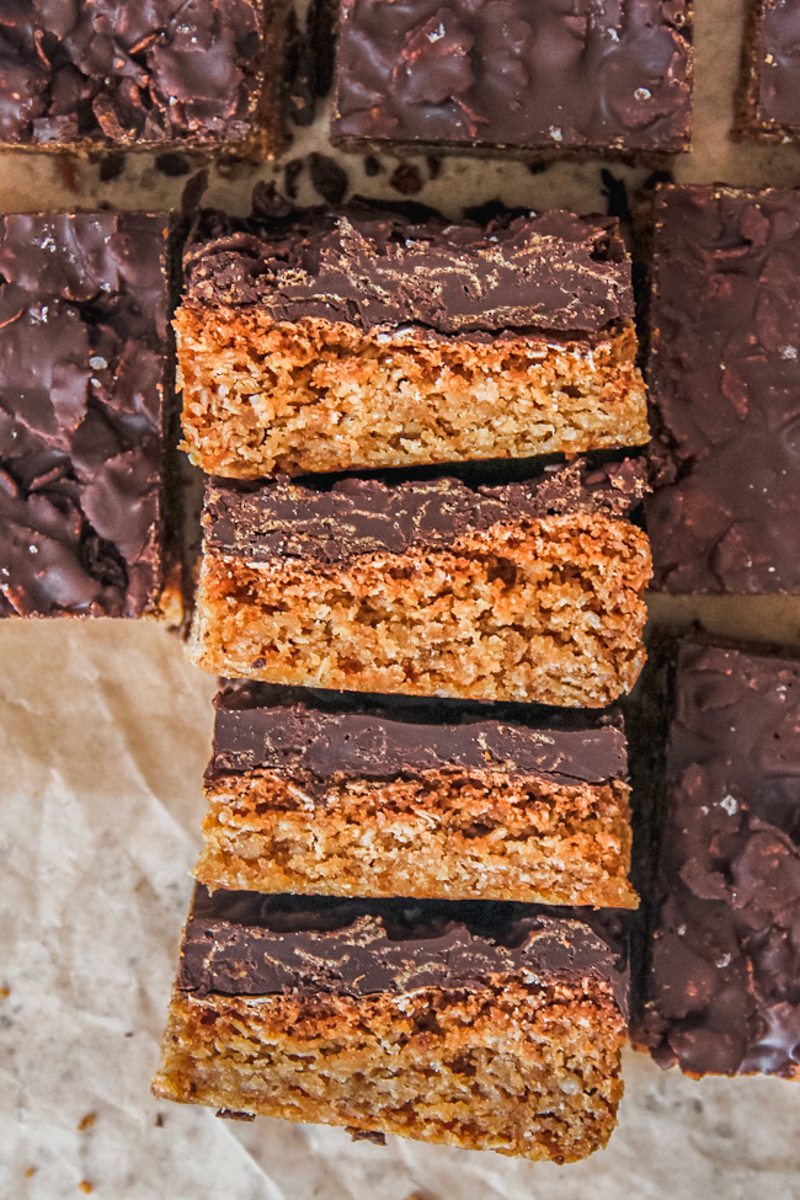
x: 104, y: 734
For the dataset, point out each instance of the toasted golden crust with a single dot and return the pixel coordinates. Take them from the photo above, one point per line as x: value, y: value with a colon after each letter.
x: 549, y: 610
x: 261, y: 396
x: 529, y: 1070
x: 448, y: 834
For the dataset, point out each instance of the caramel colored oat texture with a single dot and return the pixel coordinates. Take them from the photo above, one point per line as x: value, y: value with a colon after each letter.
x: 548, y: 610
x: 262, y: 396
x: 450, y: 834
x: 521, y: 1069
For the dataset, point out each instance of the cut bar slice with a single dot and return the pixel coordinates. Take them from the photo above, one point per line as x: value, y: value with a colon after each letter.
x: 482, y: 1025
x: 108, y: 74
x: 723, y: 989
x: 769, y: 98
x: 316, y: 793
x: 527, y: 75
x: 529, y: 591
x: 724, y: 376
x: 84, y: 376
x: 323, y: 343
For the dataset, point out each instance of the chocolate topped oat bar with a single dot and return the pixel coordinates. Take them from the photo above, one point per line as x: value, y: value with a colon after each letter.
x: 355, y: 796
x: 325, y: 342
x: 487, y: 1026
x: 531, y: 591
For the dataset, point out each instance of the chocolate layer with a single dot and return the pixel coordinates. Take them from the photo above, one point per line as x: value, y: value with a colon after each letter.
x: 551, y: 272
x: 83, y: 340
x: 515, y: 74
x: 724, y: 375
x: 364, y: 516
x: 245, y: 944
x: 724, y: 986
x: 114, y: 72
x: 286, y: 730
x: 777, y: 56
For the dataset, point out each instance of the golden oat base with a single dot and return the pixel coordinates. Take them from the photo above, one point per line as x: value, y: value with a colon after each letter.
x: 520, y: 1070
x: 549, y: 610
x: 263, y: 397
x: 453, y: 835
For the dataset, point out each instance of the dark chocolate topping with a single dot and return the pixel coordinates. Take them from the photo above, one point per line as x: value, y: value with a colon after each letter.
x: 778, y: 59
x: 724, y: 377
x: 513, y: 73
x: 83, y: 336
x: 725, y: 980
x: 125, y: 71
x: 259, y: 727
x: 551, y: 272
x: 245, y: 944
x: 364, y: 516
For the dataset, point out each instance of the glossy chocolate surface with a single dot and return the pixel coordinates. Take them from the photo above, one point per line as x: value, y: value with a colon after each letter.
x: 114, y: 72
x: 552, y: 272
x: 360, y: 516
x: 296, y: 734
x: 512, y: 73
x: 724, y: 376
x: 83, y: 340
x: 245, y: 944
x: 777, y: 61
x: 724, y: 987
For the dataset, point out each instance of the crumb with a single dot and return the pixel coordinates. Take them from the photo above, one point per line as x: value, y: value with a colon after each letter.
x: 86, y: 1187
x: 86, y: 1121
x: 406, y: 179
x: 68, y: 169
x: 30, y: 1172
x: 291, y: 174
x: 233, y: 1114
x: 328, y: 178
x: 368, y: 1135
x: 159, y: 1121
x: 111, y: 166
x: 173, y: 164
x: 5, y: 992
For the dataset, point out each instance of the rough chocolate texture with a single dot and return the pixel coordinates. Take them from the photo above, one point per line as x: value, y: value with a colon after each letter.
x: 364, y: 516
x: 724, y: 375
x: 550, y: 272
x: 281, y: 729
x: 514, y: 74
x: 83, y: 340
x: 777, y: 61
x: 242, y: 943
x: 724, y: 985
x: 113, y: 72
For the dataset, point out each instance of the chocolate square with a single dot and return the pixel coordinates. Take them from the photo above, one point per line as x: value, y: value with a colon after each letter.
x: 724, y: 376
x: 513, y: 75
x: 83, y: 374
x: 723, y: 990
x: 122, y: 72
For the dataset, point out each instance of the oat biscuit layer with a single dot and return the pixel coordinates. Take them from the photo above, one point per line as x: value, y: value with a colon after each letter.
x: 264, y: 398
x: 325, y: 342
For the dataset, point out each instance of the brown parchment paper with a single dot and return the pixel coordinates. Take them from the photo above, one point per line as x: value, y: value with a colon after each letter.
x: 104, y: 734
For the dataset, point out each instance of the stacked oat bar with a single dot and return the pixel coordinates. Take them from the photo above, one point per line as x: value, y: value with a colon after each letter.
x: 392, y: 965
